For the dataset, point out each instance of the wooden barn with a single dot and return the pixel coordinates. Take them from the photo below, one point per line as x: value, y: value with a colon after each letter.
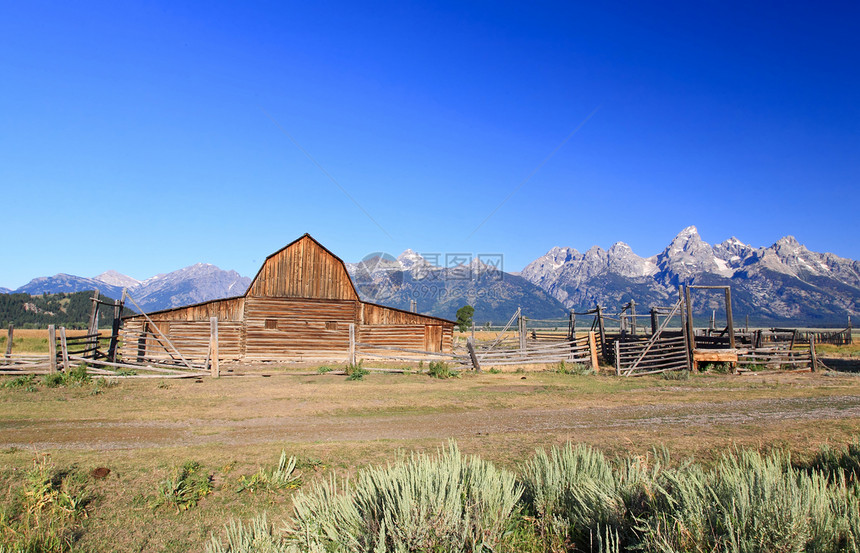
x: 298, y: 307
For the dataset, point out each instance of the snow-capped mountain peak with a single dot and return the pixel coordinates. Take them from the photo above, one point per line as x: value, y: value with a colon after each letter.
x: 409, y: 258
x: 115, y: 278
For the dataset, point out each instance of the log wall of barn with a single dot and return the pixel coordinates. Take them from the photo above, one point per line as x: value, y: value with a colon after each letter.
x: 190, y: 338
x: 281, y: 328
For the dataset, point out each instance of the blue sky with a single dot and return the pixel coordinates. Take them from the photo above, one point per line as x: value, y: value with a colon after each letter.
x: 147, y: 136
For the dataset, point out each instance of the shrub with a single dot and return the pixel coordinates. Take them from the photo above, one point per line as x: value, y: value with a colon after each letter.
x: 748, y: 503
x: 717, y: 367
x: 256, y: 537
x: 439, y: 369
x: 279, y: 478
x: 574, y: 368
x: 577, y: 497
x: 184, y: 488
x: 24, y: 381
x: 356, y: 372
x: 445, y: 502
x: 48, y: 512
x: 831, y: 462
x: 683, y: 374
x: 324, y: 369
x: 574, y: 499
x: 54, y: 380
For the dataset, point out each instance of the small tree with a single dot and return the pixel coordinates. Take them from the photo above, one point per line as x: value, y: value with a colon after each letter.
x: 464, y: 317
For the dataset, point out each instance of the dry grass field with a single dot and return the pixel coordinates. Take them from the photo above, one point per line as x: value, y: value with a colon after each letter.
x: 143, y: 430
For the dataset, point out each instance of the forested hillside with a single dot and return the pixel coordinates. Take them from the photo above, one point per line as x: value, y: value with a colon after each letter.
x: 70, y: 310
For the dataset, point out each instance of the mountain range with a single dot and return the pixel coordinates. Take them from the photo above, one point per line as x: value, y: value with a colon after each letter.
x: 194, y: 284
x: 784, y: 283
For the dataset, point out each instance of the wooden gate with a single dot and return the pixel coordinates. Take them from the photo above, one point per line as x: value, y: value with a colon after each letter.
x: 663, y: 351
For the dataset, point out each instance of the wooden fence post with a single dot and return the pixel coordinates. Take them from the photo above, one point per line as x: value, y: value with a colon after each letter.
x: 64, y: 349
x: 471, y: 347
x: 729, y: 320
x: 813, y: 357
x: 618, y: 357
x: 351, y: 359
x: 213, y: 347
x: 592, y: 347
x: 522, y: 329
x: 114, y: 335
x: 93, y: 327
x: 9, y: 338
x: 571, y: 326
x: 52, y: 347
x: 689, y: 341
x: 633, y: 317
x: 602, y: 329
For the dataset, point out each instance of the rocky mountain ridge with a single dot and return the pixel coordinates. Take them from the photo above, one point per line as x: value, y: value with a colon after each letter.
x: 782, y: 281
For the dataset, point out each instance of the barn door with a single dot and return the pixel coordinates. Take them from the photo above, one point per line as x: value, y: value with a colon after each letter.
x: 432, y: 338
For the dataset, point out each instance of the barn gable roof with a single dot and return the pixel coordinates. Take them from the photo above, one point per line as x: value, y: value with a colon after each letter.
x: 303, y: 268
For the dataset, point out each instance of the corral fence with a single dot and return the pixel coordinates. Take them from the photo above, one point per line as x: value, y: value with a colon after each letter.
x: 525, y: 341
x: 97, y: 352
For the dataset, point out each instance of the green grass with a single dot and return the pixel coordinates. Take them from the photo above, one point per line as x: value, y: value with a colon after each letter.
x: 25, y: 344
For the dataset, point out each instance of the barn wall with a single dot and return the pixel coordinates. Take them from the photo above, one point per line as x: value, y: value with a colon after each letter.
x: 191, y: 338
x: 281, y: 328
x: 383, y: 326
x: 188, y: 330
x: 304, y: 269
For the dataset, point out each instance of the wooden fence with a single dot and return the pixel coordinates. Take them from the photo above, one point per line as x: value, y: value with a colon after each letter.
x: 666, y: 353
x: 779, y: 358
x: 581, y: 350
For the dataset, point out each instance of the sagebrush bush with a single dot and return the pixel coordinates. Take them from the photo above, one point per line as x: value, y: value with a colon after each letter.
x: 578, y: 497
x: 750, y: 503
x: 834, y: 460
x: 443, y: 502
x: 258, y: 536
x: 575, y: 499
x: 683, y: 374
x: 581, y: 369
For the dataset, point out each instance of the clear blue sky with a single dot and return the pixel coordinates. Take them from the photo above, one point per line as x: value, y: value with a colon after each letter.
x: 147, y: 136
